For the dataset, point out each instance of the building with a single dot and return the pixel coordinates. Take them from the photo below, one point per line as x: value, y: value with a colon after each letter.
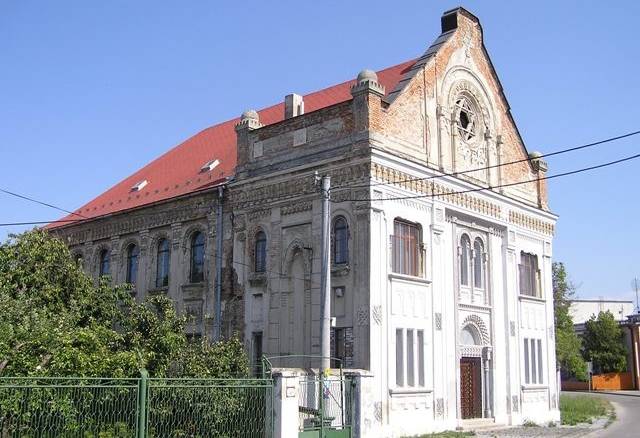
x: 625, y: 312
x: 582, y: 310
x: 441, y: 256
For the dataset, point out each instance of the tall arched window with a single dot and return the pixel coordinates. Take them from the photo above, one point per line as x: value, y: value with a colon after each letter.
x: 478, y: 264
x: 261, y: 252
x: 196, y: 274
x: 465, y: 260
x: 105, y: 265
x: 340, y: 241
x: 132, y: 263
x: 162, y: 263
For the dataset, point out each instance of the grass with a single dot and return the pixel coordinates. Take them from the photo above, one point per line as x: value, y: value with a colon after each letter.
x: 583, y: 409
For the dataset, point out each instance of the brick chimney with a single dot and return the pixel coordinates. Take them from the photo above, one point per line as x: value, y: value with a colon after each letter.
x: 293, y: 105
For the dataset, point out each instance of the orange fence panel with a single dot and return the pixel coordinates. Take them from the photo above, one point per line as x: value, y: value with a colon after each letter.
x: 612, y: 381
x: 573, y: 385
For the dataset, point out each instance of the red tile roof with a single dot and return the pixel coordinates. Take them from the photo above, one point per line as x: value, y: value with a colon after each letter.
x: 177, y: 172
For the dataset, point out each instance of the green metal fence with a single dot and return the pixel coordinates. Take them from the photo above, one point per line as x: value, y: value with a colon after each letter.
x: 143, y: 407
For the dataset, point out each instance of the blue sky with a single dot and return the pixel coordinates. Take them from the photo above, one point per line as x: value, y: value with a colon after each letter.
x: 91, y: 91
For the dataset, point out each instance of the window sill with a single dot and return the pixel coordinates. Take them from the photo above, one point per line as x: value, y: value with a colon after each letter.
x: 534, y: 387
x: 411, y: 278
x: 190, y: 285
x: 530, y: 298
x: 159, y: 290
x: 340, y: 270
x: 410, y: 391
x: 257, y: 278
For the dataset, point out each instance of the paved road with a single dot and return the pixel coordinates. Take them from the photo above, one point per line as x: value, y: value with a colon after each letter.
x: 627, y: 425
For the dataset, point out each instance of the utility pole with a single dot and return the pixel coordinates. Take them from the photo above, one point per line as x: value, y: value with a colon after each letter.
x: 325, y: 277
x: 635, y: 284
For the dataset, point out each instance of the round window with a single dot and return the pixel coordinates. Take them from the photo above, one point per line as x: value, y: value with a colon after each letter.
x: 466, y: 118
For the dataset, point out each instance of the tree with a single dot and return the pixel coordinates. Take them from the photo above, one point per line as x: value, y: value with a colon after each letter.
x: 604, y: 344
x: 568, y: 344
x: 56, y: 321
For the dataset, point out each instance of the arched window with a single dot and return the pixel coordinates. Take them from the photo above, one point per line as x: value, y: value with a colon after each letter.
x: 105, y: 265
x: 132, y: 263
x: 261, y: 252
x: 196, y: 274
x: 162, y: 263
x: 469, y: 336
x: 465, y: 260
x: 340, y: 241
x: 478, y: 264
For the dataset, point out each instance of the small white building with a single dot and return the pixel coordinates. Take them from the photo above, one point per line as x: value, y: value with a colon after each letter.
x: 582, y: 310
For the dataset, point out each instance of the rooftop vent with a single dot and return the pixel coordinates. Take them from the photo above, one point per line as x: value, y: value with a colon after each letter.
x: 293, y: 105
x: 139, y: 185
x: 210, y: 165
x: 449, y: 20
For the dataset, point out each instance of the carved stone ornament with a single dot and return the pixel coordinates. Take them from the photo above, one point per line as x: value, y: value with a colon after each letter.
x: 377, y: 314
x: 377, y: 411
x: 439, y: 407
x: 363, y: 316
x: 438, y: 321
x: 478, y: 323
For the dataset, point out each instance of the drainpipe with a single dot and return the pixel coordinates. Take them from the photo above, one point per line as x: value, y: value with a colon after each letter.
x: 217, y: 326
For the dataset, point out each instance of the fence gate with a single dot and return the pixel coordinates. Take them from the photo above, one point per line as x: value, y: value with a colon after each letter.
x: 325, y: 407
x: 135, y: 408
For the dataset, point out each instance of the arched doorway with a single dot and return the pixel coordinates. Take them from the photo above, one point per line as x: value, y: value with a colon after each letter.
x: 471, y: 385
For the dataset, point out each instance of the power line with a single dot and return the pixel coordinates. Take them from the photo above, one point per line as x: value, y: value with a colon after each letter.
x: 493, y: 166
x: 285, y: 197
x: 17, y: 195
x: 12, y: 224
x: 432, y: 195
x: 478, y: 189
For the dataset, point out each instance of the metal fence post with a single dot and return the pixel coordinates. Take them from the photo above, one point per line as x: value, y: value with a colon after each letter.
x: 142, y: 403
x: 321, y: 403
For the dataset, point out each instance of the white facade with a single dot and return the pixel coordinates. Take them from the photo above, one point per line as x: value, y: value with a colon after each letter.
x: 438, y: 306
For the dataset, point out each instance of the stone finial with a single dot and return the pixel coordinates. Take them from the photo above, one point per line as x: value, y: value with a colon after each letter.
x: 249, y: 114
x: 367, y: 81
x: 367, y: 75
x: 249, y: 119
x: 538, y: 163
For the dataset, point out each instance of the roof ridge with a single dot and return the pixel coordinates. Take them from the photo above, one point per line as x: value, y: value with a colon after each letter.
x: 177, y: 171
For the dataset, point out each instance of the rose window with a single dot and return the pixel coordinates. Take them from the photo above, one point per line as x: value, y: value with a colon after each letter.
x: 466, y: 118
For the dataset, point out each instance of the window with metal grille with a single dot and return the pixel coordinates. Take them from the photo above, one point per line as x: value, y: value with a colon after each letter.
x: 529, y: 275
x: 256, y: 346
x: 261, y: 252
x: 406, y: 249
x: 338, y: 347
x: 340, y: 241
x: 162, y: 263
x: 196, y: 273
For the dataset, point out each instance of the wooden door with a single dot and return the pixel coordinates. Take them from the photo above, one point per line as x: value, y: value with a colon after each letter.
x: 470, y: 387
